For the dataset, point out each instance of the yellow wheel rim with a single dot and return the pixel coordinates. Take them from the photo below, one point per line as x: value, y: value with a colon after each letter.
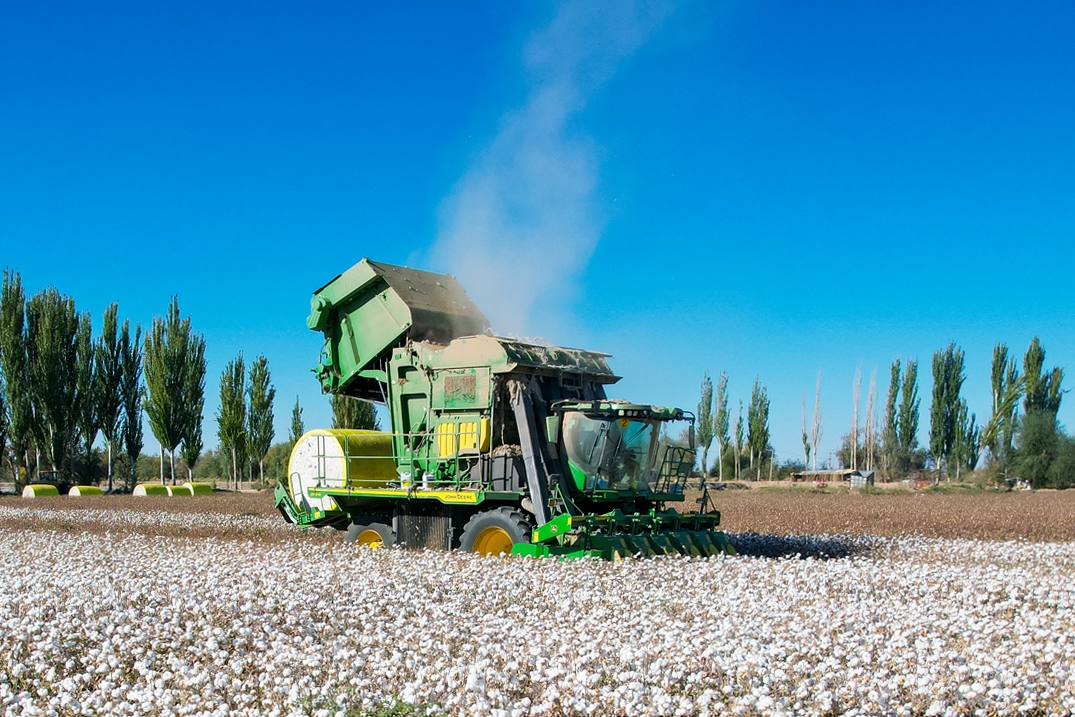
x: 371, y: 538
x: 493, y: 541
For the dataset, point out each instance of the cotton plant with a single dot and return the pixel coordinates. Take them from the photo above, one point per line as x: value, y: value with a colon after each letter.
x: 119, y: 520
x: 201, y: 626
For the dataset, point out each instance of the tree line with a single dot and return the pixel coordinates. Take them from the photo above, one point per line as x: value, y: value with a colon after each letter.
x: 245, y: 417
x: 245, y: 421
x: 741, y: 445
x: 1012, y: 445
x: 61, y: 387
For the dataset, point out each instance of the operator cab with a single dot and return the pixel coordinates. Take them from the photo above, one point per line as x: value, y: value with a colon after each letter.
x: 613, y: 445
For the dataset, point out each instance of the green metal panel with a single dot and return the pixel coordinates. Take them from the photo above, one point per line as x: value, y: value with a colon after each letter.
x: 297, y: 515
x: 555, y: 551
x: 553, y: 360
x: 370, y: 308
x: 446, y: 497
x: 503, y: 355
x: 578, y: 475
x: 462, y: 388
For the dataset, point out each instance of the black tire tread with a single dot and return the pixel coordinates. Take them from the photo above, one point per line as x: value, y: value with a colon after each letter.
x: 386, y: 532
x: 513, y: 516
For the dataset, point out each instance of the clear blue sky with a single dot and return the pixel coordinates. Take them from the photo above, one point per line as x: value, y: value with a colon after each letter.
x: 760, y: 188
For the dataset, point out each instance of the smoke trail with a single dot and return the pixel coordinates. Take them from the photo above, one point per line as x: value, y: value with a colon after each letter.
x: 521, y: 224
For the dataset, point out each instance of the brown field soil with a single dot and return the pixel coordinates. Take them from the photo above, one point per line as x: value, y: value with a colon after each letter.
x: 225, y: 515
x: 1036, y: 516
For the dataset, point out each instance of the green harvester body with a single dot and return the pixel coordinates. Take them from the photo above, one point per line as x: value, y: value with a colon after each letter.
x: 497, y: 444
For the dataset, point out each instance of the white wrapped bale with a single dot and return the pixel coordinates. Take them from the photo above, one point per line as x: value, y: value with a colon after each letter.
x: 339, y: 458
x: 144, y: 489
x: 41, y: 490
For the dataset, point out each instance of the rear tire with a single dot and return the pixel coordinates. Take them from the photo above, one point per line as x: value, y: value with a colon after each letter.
x: 375, y: 535
x: 495, y: 531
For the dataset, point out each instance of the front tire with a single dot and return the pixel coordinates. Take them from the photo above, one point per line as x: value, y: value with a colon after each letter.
x: 495, y: 531
x: 375, y: 535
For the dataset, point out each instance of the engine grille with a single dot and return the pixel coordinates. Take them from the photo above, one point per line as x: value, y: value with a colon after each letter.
x: 425, y: 531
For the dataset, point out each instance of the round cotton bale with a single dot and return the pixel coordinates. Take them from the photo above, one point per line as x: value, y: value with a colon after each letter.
x: 83, y: 490
x: 144, y: 489
x: 41, y: 490
x: 339, y: 458
x: 180, y: 490
x: 199, y: 488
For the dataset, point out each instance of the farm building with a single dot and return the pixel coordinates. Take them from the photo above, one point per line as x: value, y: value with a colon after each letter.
x: 856, y: 478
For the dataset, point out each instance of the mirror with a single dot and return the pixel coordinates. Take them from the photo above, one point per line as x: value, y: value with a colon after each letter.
x: 690, y: 437
x: 552, y: 428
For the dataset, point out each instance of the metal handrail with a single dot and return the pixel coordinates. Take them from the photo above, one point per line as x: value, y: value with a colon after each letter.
x: 675, y: 470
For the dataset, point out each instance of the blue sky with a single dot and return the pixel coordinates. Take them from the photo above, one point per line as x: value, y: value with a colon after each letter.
x: 767, y: 189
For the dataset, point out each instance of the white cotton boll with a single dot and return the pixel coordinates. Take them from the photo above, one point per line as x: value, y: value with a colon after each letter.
x: 583, y: 634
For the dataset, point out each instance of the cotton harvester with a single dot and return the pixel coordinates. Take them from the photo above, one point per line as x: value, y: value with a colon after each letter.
x: 497, y: 445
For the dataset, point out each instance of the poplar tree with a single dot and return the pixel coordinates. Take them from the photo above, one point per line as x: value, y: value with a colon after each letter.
x: 1006, y: 390
x: 705, y: 420
x: 907, y: 420
x: 941, y: 425
x: 13, y: 363
x: 721, y: 419
x: 870, y: 430
x: 1038, y: 446
x: 3, y: 423
x: 172, y: 351
x: 817, y: 425
x: 366, y: 416
x: 966, y: 446
x: 297, y: 426
x: 108, y: 377
x: 1040, y: 441
x: 944, y: 410
x: 352, y: 413
x: 193, y: 403
x: 131, y: 392
x: 937, y: 419
x: 890, y: 427
x: 758, y: 424
x: 806, y: 436
x: 740, y: 442
x: 86, y: 416
x: 261, y: 393
x: 856, y: 390
x: 343, y: 409
x: 52, y: 358
x: 191, y: 447
x: 231, y: 416
x: 1043, y: 391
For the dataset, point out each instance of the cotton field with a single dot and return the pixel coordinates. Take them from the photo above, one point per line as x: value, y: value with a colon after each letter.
x: 154, y: 521
x: 140, y: 624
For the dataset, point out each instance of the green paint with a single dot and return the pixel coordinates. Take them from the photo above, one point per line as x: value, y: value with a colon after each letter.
x: 579, y: 475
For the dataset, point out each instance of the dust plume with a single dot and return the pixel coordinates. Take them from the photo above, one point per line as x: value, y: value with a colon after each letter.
x: 522, y: 222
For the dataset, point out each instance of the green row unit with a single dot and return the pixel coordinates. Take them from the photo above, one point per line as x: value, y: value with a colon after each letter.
x: 493, y: 439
